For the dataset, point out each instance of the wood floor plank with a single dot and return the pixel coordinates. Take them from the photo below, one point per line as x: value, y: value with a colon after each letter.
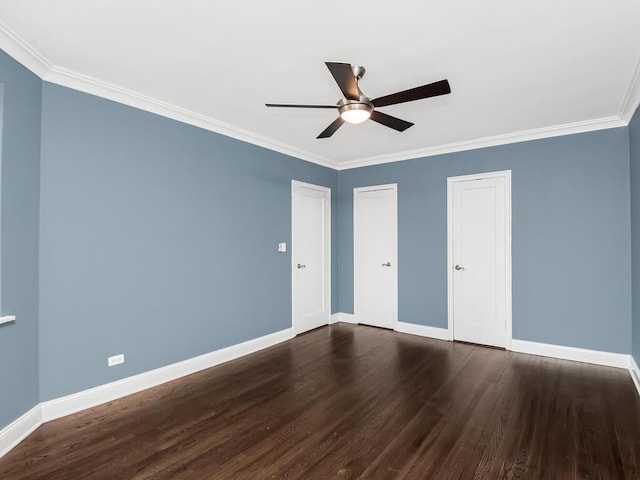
x: 347, y: 402
x: 446, y: 442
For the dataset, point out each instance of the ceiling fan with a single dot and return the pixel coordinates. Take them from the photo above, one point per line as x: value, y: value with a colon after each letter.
x: 357, y: 108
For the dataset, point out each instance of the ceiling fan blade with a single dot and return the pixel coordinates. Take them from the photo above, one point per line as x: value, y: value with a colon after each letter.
x: 331, y: 129
x: 425, y: 91
x: 343, y: 75
x: 285, y: 105
x: 389, y: 121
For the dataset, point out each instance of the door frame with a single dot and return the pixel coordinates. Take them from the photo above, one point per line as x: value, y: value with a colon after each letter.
x: 327, y: 243
x: 394, y: 188
x: 506, y: 174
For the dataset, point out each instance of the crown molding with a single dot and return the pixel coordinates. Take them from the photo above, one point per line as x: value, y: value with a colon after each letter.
x: 94, y: 86
x: 493, y: 141
x: 632, y: 97
x: 22, y: 52
x: 29, y: 57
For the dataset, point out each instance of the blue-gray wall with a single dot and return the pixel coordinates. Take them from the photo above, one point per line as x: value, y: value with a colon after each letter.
x: 571, y: 236
x: 158, y: 240
x: 19, y: 191
x: 634, y: 150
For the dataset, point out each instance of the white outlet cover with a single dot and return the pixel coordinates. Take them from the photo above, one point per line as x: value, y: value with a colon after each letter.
x: 115, y: 360
x: 282, y: 247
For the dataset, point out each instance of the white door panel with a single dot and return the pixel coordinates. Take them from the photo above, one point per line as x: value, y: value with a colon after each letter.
x: 375, y: 269
x: 478, y: 264
x: 311, y: 257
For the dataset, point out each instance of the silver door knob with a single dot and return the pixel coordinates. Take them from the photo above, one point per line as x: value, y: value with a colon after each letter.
x: 388, y: 264
x: 301, y: 266
x: 458, y: 267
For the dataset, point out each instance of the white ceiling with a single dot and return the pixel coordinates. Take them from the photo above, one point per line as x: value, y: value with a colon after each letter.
x: 517, y: 69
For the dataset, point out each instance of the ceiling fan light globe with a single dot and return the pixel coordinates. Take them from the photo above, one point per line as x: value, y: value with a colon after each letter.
x: 355, y: 116
x: 356, y: 112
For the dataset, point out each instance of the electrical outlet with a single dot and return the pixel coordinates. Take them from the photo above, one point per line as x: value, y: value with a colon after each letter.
x: 115, y: 360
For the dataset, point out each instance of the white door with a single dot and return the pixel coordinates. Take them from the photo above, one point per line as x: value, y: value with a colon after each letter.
x: 375, y: 259
x: 311, y: 256
x: 479, y: 246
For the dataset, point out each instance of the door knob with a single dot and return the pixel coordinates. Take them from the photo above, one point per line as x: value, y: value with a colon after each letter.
x: 458, y: 267
x: 301, y: 266
x: 388, y: 264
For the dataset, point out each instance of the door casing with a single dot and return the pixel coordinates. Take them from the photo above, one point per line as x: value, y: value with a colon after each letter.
x: 506, y: 174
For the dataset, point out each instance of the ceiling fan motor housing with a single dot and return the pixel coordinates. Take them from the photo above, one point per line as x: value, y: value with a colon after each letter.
x: 358, y: 71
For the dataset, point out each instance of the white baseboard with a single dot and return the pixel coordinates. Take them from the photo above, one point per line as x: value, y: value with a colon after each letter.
x: 76, y: 402
x: 14, y: 433
x: 19, y: 429
x: 423, y: 330
x: 343, y: 317
x: 634, y: 371
x: 596, y: 357
x: 402, y: 327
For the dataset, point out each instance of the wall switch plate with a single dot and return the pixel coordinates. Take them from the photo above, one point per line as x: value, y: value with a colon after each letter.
x: 282, y: 247
x: 115, y: 360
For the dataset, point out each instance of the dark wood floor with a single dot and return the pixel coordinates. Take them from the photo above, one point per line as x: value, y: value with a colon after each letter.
x: 355, y: 402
